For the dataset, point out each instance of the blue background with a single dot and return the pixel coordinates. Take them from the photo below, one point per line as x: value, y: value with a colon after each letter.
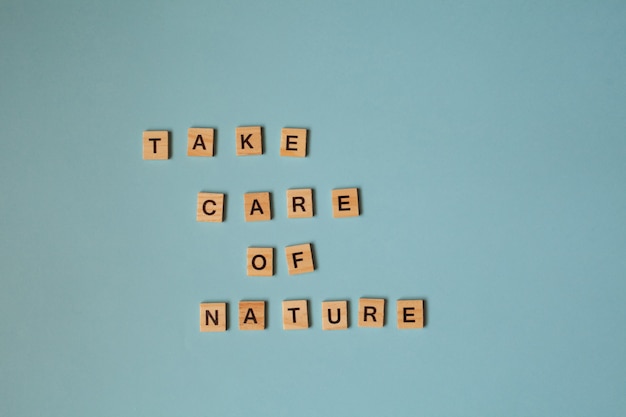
x: 488, y: 141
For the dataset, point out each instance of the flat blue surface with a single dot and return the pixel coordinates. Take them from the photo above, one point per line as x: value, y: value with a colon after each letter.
x: 488, y: 141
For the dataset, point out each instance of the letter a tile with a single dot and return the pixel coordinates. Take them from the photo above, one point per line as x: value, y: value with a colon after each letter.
x: 200, y: 141
x: 252, y: 315
x: 257, y: 207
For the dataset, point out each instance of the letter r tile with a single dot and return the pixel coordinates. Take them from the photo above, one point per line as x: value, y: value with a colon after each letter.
x: 371, y: 312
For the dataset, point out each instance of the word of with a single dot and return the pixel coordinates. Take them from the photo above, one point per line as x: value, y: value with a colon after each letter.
x: 257, y: 206
x: 409, y: 314
x: 201, y: 142
x: 299, y: 260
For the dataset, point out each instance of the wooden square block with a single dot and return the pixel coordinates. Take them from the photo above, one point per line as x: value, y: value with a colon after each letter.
x: 210, y: 207
x: 213, y: 317
x: 257, y: 207
x: 371, y: 312
x: 295, y: 315
x: 300, y: 203
x: 293, y: 142
x: 252, y: 315
x: 299, y: 259
x: 200, y: 141
x: 334, y: 315
x: 410, y: 314
x: 156, y: 144
x: 346, y: 202
x: 260, y: 262
x: 249, y: 140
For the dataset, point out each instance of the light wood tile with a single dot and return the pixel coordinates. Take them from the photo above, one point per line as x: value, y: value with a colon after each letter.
x: 156, y: 144
x: 371, y: 312
x: 210, y: 207
x: 200, y: 141
x: 293, y: 142
x: 249, y: 140
x: 295, y: 314
x: 257, y: 206
x: 299, y: 259
x: 260, y: 262
x: 213, y: 317
x: 410, y: 314
x: 345, y: 202
x: 334, y: 315
x: 300, y: 203
x: 252, y: 315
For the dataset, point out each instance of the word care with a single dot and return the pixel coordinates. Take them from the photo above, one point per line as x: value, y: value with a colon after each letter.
x: 257, y: 206
x: 409, y: 315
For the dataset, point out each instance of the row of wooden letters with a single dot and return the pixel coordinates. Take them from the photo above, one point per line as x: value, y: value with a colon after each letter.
x: 258, y: 207
x: 200, y: 142
x: 410, y: 315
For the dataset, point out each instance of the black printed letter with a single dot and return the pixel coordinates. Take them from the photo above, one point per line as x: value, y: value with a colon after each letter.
x: 208, y: 213
x: 245, y: 141
x: 250, y: 316
x: 262, y: 265
x: 330, y: 317
x: 199, y: 142
x: 154, y: 141
x: 256, y: 206
x: 369, y: 311
x: 406, y: 315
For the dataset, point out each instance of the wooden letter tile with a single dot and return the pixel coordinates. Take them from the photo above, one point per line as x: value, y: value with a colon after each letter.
x: 295, y: 315
x: 252, y: 315
x: 299, y: 259
x: 346, y: 202
x: 210, y: 207
x: 249, y: 140
x: 156, y: 144
x: 334, y: 315
x: 213, y: 317
x: 410, y: 314
x: 200, y: 141
x: 300, y: 203
x: 371, y: 312
x: 260, y: 262
x: 257, y: 207
x: 293, y: 142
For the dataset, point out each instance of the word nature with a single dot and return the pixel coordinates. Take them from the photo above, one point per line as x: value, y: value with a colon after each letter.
x: 371, y: 313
